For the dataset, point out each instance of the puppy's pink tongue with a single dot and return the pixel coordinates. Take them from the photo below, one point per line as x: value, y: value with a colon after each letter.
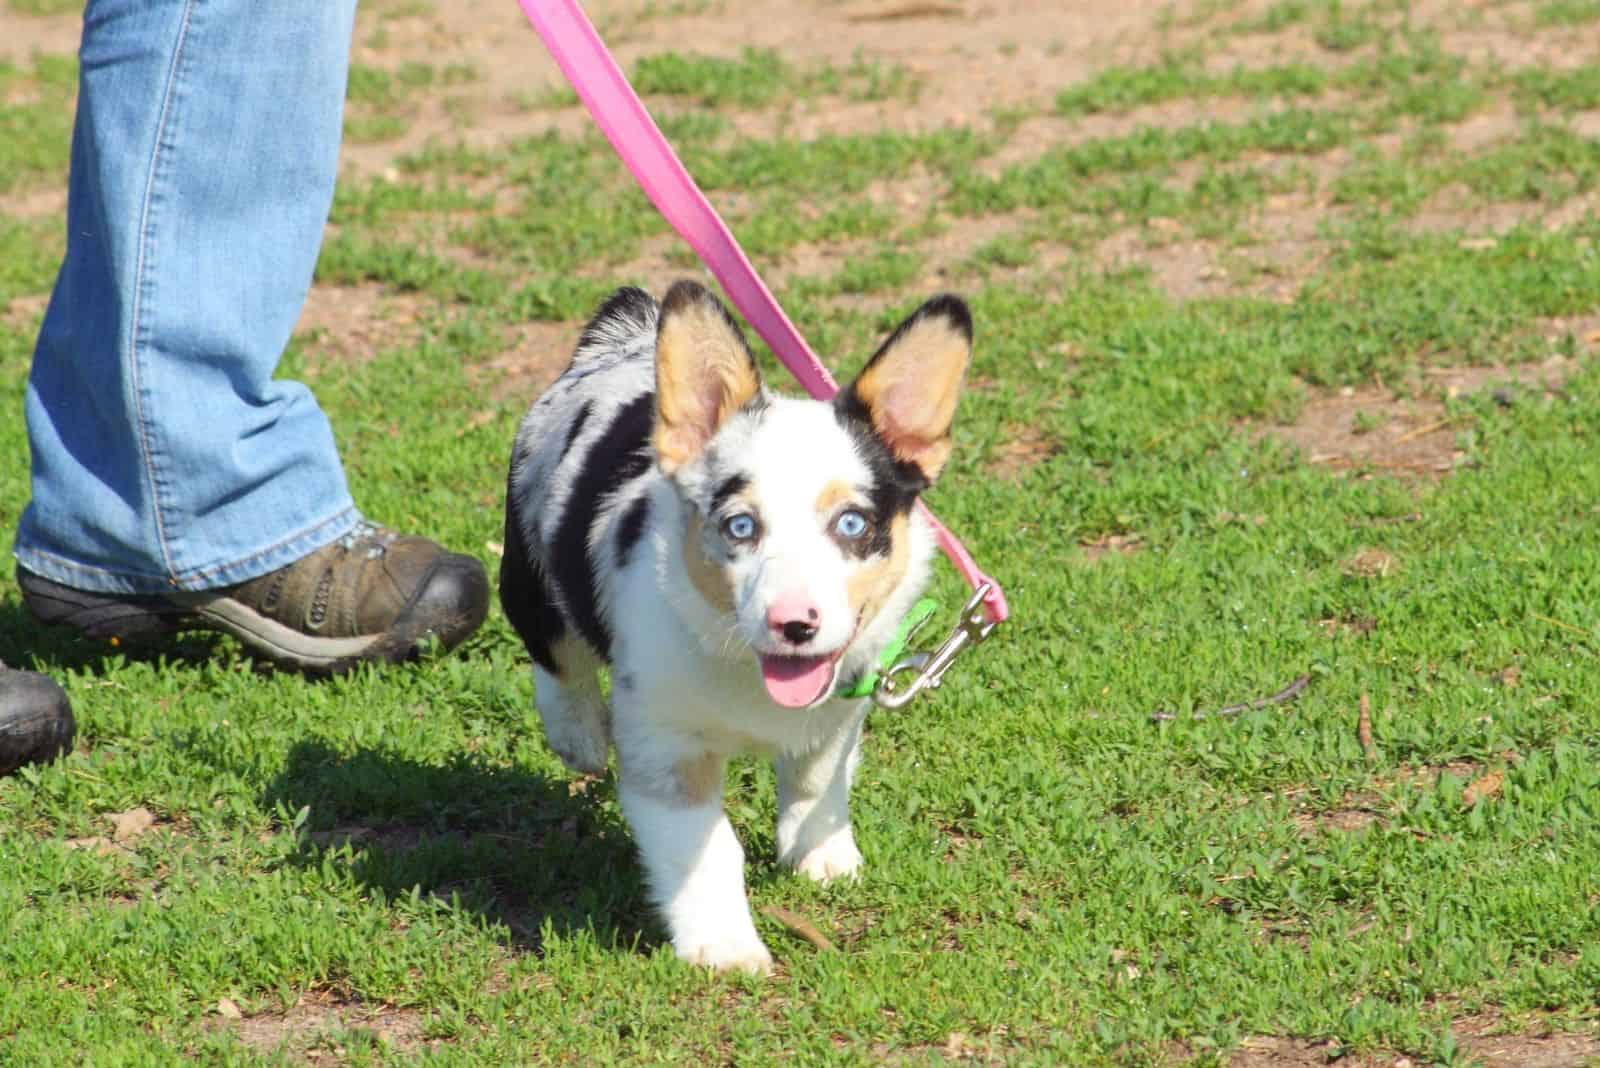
x: 796, y: 681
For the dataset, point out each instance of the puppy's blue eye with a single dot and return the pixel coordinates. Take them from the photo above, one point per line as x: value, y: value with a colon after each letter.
x: 741, y: 527
x: 850, y: 524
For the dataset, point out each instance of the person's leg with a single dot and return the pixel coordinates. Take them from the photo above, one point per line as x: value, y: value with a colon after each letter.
x: 204, y: 153
x: 175, y: 482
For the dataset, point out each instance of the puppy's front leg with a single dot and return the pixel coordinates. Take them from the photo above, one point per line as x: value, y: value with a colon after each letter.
x: 692, y: 860
x: 814, y: 836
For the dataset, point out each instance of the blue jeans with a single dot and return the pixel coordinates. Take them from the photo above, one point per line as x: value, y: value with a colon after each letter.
x: 165, y: 455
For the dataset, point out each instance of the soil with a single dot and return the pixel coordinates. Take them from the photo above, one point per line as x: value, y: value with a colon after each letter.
x: 309, y: 1031
x: 1408, y: 433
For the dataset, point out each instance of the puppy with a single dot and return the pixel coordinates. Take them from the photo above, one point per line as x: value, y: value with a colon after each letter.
x: 737, y: 559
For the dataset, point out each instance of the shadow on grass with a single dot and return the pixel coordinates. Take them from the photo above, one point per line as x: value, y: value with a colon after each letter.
x: 27, y: 643
x: 515, y: 847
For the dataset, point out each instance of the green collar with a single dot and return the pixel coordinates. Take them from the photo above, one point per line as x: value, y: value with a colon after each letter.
x: 919, y: 614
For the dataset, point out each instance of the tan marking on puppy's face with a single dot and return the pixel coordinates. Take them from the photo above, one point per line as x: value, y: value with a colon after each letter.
x: 834, y: 496
x: 874, y: 580
x: 708, y: 576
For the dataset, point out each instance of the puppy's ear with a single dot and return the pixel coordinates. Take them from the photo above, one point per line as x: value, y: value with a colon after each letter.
x: 704, y: 373
x: 909, y: 388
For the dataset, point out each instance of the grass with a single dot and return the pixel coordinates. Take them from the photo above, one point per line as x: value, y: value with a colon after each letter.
x: 391, y: 868
x: 43, y: 7
x: 380, y: 101
x: 35, y: 130
x: 759, y: 77
x: 1410, y: 75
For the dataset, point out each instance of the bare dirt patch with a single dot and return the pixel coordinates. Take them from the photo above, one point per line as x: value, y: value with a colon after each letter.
x: 311, y: 1030
x: 538, y: 354
x: 1270, y: 1051
x: 1182, y: 269
x: 355, y: 323
x: 1540, y: 1048
x: 1024, y: 448
x: 1455, y: 207
x: 47, y: 203
x: 1359, y: 809
x: 1371, y: 563
x: 1546, y: 1049
x: 1506, y: 48
x: 1106, y: 544
x: 970, y: 59
x: 1369, y: 428
x: 25, y: 36
x: 24, y: 313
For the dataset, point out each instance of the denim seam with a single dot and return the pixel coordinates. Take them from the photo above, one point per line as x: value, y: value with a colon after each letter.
x: 349, y: 512
x: 136, y: 325
x: 72, y: 565
x: 342, y: 522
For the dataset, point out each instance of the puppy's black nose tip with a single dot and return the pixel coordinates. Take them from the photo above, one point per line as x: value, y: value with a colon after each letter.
x: 799, y: 631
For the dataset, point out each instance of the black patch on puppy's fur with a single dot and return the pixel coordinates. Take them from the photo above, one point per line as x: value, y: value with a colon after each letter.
x: 630, y: 528
x: 895, y: 482
x: 630, y: 310
x: 525, y: 597
x: 731, y: 485
x: 578, y: 422
x: 614, y: 459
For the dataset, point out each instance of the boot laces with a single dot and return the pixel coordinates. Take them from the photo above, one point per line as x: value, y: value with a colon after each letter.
x: 369, y: 538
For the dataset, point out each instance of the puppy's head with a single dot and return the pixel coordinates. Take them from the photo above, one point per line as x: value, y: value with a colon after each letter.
x: 800, y: 529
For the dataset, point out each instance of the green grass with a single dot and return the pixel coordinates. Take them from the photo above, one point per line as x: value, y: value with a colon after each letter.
x: 1567, y: 91
x: 759, y: 77
x: 44, y: 7
x: 36, y: 130
x: 1409, y: 75
x: 1542, y: 163
x: 1567, y: 12
x: 1052, y: 878
x: 381, y: 103
x: 34, y: 252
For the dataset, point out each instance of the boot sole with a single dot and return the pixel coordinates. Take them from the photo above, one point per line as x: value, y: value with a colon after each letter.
x: 449, y: 604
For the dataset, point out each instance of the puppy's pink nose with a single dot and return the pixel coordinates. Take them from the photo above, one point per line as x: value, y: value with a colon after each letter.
x: 793, y: 617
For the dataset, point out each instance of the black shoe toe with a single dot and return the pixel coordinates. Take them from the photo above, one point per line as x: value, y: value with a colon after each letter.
x: 450, y: 602
x: 36, y: 721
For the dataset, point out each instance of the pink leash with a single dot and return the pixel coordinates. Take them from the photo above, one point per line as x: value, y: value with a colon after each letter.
x: 622, y: 117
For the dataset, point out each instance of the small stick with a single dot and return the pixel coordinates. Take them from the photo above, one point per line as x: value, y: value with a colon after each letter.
x: 906, y: 11
x: 1288, y: 693
x: 1423, y: 430
x: 799, y: 925
x: 1563, y: 626
x: 1364, y: 730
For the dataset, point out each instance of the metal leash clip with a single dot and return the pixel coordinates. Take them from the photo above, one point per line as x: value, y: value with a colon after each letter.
x: 972, y: 628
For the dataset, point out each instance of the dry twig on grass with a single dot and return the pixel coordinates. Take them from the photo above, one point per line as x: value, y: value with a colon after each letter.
x: 1423, y: 431
x: 1288, y: 693
x: 1364, y: 730
x: 908, y: 11
x: 800, y: 926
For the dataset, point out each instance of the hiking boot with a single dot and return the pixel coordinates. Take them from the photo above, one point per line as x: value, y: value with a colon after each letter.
x: 35, y: 719
x: 371, y: 595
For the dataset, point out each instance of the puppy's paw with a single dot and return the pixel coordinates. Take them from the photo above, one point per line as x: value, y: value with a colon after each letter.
x: 836, y: 857
x: 728, y: 955
x: 581, y: 752
x: 578, y: 732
